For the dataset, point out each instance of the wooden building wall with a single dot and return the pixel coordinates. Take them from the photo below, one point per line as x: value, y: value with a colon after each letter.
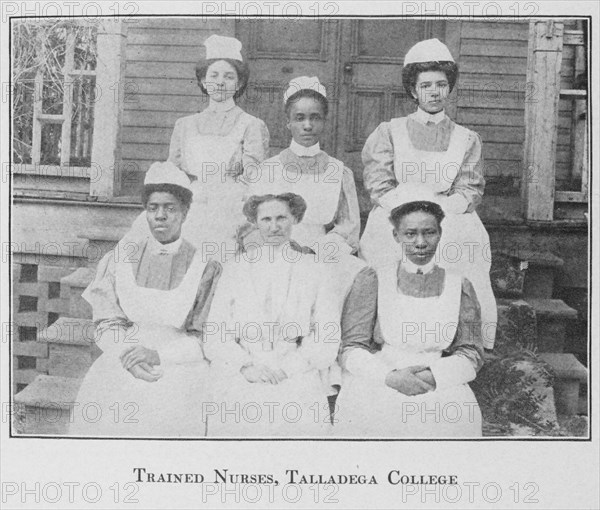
x: 491, y: 101
x: 160, y: 87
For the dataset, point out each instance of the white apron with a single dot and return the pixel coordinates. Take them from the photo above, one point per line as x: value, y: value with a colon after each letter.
x: 416, y: 331
x: 321, y: 191
x: 465, y: 244
x: 168, y: 407
x: 215, y: 214
x: 216, y: 211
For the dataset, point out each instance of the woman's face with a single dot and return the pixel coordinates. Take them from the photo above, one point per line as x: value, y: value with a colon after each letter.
x: 221, y: 81
x: 306, y: 121
x: 275, y: 222
x: 431, y: 91
x: 419, y: 235
x: 165, y: 215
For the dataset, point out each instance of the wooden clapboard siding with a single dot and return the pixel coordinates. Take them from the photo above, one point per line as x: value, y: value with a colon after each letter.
x: 160, y: 87
x: 491, y: 100
x: 492, y: 92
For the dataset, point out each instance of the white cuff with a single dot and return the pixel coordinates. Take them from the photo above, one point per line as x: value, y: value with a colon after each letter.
x: 388, y: 200
x: 454, y: 204
x: 361, y: 363
x: 184, y: 350
x: 452, y: 371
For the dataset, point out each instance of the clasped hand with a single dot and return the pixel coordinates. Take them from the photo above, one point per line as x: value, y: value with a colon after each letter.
x: 140, y: 362
x: 263, y: 374
x: 413, y: 380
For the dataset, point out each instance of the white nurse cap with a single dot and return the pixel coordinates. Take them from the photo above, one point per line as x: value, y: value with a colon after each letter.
x: 304, y: 83
x: 167, y: 173
x: 219, y: 46
x: 431, y: 50
x: 405, y: 194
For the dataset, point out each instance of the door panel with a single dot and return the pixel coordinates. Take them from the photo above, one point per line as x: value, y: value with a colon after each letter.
x: 277, y: 51
x: 358, y: 60
x: 372, y: 53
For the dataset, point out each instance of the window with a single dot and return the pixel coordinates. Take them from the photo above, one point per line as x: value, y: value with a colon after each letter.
x: 573, y: 187
x: 54, y: 92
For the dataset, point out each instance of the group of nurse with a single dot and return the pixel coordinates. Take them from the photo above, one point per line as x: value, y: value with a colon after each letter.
x: 251, y: 307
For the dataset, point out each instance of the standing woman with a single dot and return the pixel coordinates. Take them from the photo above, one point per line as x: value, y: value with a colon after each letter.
x: 428, y: 149
x: 331, y: 225
x: 217, y: 147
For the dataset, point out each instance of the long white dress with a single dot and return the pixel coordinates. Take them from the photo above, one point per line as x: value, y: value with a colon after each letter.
x: 331, y: 224
x: 216, y: 147
x: 414, y: 331
x: 118, y: 404
x: 275, y: 311
x: 453, y: 172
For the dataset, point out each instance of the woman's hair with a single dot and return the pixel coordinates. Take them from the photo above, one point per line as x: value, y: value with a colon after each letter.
x: 422, y: 205
x: 312, y: 94
x: 295, y: 203
x: 410, y: 73
x: 241, y: 68
x: 184, y: 196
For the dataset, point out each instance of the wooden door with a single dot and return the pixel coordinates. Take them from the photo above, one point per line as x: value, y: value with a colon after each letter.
x: 277, y: 51
x: 371, y: 57
x: 359, y: 61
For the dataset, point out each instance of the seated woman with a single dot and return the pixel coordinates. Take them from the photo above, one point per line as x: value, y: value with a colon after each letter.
x: 406, y: 375
x: 331, y: 225
x: 149, y: 306
x: 273, y: 328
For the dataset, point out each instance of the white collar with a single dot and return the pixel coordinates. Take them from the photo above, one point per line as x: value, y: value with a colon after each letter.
x: 300, y: 150
x: 423, y: 117
x: 411, y: 267
x: 164, y: 249
x: 222, y: 106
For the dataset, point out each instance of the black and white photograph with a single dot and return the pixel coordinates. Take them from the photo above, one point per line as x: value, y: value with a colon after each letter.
x: 315, y: 254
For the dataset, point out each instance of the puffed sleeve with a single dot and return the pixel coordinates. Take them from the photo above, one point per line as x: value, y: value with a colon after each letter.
x: 378, y: 161
x: 113, y: 329
x: 255, y: 145
x: 358, y: 322
x: 101, y: 294
x: 465, y: 354
x: 318, y: 350
x: 346, y: 224
x: 467, y: 189
x: 221, y: 346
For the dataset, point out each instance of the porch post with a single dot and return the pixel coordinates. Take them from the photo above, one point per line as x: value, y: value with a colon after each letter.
x: 108, y: 111
x: 541, y: 118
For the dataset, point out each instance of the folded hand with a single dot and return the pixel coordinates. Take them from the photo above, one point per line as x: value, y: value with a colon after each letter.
x: 145, y: 372
x: 407, y: 381
x: 138, y: 354
x: 263, y: 374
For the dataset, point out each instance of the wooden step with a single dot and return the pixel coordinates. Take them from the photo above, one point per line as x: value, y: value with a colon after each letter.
x: 535, y: 271
x: 46, y: 405
x: 552, y: 317
x: 71, y: 346
x: 71, y: 288
x: 570, y: 375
